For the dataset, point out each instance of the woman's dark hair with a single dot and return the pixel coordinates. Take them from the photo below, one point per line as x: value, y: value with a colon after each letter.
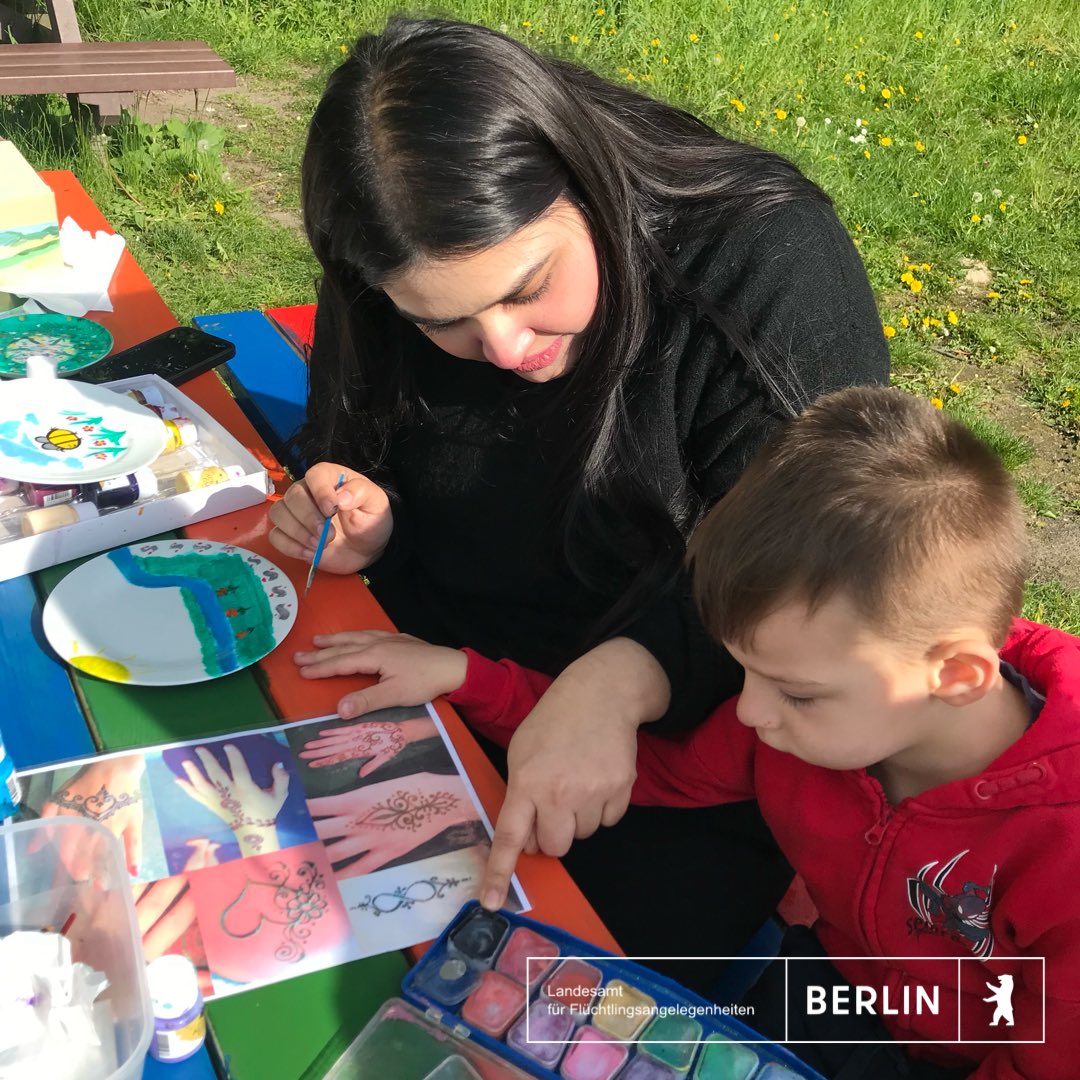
x: 437, y: 139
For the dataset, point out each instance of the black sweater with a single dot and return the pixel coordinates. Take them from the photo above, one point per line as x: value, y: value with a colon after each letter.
x: 475, y: 554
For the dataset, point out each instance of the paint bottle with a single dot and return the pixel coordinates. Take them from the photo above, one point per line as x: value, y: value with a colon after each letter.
x: 56, y: 517
x: 123, y: 490
x: 182, y: 432
x: 10, y: 792
x: 47, y: 495
x: 192, y: 479
x: 8, y: 487
x: 151, y: 398
x: 179, y: 1024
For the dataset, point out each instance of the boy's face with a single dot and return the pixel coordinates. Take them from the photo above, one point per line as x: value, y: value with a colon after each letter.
x: 830, y: 692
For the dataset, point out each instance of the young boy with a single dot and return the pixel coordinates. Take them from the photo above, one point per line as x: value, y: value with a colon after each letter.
x: 913, y: 746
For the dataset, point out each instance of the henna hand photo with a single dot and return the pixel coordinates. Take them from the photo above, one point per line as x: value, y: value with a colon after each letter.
x: 382, y: 822
x: 109, y: 792
x: 379, y: 741
x: 165, y: 912
x: 247, y: 809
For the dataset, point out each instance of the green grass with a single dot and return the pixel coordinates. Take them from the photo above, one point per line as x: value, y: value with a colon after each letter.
x: 970, y: 158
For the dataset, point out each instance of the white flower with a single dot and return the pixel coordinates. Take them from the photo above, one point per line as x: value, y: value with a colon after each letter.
x: 997, y: 193
x: 988, y: 219
x: 828, y: 119
x: 858, y: 123
x: 857, y: 138
x: 864, y: 131
x: 976, y: 197
x: 800, y: 121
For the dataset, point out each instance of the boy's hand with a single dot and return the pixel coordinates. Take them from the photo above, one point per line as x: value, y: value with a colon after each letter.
x: 410, y: 671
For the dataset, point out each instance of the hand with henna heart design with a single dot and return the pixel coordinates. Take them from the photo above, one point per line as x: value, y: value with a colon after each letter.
x: 384, y: 821
x: 249, y: 810
x: 377, y: 741
x: 109, y: 792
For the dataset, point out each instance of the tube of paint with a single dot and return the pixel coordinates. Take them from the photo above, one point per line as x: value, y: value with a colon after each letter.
x: 192, y: 479
x: 179, y: 1024
x: 182, y: 432
x: 151, y: 397
x: 123, y: 490
x: 10, y: 792
x: 56, y: 517
x: 42, y: 495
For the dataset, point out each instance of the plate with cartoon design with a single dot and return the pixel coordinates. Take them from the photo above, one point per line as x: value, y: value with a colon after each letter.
x: 71, y: 342
x: 170, y: 612
x: 59, y: 431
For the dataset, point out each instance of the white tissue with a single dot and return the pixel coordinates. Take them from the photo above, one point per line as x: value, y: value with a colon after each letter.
x: 81, y: 285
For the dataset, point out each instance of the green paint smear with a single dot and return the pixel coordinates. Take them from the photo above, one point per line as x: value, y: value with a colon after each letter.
x: 222, y: 571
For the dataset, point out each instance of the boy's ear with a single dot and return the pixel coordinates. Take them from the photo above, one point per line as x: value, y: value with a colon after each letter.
x: 962, y: 671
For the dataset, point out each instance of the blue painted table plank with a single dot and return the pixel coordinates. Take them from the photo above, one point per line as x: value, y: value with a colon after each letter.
x: 267, y: 376
x: 197, y: 1067
x: 42, y: 720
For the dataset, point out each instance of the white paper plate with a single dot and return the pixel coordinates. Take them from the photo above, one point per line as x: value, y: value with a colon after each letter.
x: 170, y: 612
x: 55, y: 431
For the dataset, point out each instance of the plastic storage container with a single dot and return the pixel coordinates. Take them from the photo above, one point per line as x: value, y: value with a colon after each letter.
x: 37, y: 891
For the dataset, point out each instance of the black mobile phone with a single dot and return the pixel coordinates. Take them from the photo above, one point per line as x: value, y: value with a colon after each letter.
x: 177, y: 355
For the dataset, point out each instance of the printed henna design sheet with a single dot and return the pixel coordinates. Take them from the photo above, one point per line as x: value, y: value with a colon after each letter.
x: 271, y: 853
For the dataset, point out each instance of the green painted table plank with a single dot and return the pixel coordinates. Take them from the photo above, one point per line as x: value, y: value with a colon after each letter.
x: 298, y: 1029
x: 122, y: 716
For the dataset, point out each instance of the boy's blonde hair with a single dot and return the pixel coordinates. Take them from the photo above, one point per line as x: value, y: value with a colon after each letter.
x: 877, y: 496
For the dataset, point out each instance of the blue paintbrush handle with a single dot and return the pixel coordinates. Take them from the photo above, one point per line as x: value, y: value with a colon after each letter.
x: 322, y: 541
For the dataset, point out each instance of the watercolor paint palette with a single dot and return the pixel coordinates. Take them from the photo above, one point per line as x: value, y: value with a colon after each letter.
x: 560, y: 1008
x: 201, y: 472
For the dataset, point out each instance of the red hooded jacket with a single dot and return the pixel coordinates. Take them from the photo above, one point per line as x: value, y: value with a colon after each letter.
x: 981, y: 871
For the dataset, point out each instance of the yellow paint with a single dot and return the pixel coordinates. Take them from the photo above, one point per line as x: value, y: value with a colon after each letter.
x: 101, y: 667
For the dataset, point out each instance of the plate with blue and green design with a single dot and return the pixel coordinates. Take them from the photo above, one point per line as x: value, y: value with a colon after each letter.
x: 70, y: 342
x: 170, y: 612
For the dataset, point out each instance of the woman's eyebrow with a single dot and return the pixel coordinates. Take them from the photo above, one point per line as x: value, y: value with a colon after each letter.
x: 520, y: 284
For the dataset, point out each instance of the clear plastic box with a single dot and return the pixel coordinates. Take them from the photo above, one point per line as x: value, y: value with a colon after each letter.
x: 37, y: 891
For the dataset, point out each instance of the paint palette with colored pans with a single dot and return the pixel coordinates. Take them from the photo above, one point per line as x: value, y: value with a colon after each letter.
x: 60, y: 432
x: 169, y: 612
x: 401, y: 1042
x: 559, y: 1007
x: 70, y: 342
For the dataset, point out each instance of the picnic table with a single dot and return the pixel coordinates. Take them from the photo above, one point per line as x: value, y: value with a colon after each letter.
x: 295, y: 1029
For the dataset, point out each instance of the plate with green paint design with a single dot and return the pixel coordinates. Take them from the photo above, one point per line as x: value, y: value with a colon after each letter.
x: 59, y: 432
x: 170, y: 612
x: 72, y: 343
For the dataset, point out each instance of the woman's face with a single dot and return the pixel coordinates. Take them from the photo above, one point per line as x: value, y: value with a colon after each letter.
x: 520, y: 305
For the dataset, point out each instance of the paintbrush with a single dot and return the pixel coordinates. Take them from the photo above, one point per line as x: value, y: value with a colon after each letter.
x: 322, y: 542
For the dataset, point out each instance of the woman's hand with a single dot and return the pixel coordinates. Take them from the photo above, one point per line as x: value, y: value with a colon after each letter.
x: 384, y: 821
x: 571, y: 762
x: 410, y: 671
x: 361, y: 526
x: 377, y: 741
x: 108, y: 791
x: 249, y: 810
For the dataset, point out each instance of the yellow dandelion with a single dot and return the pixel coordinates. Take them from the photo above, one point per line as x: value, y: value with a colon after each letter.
x: 866, y: 154
x: 935, y: 322
x: 937, y: 403
x: 900, y: 87
x: 885, y: 140
x: 1022, y: 140
x: 573, y: 39
x: 956, y: 41
x: 890, y: 331
x: 955, y: 388
x: 193, y: 177
x: 664, y: 60
x: 1066, y: 402
x: 920, y: 146
x: 612, y: 31
x: 692, y: 38
x: 343, y: 49
x: 886, y: 93
x: 925, y: 266
x: 601, y: 12
x: 219, y: 207
x: 975, y: 219
x: 992, y: 295
x: 905, y: 322
x: 862, y: 88
x: 1026, y: 281
x: 780, y: 114
x: 526, y: 23
x: 631, y: 77
x: 655, y: 43
x: 1003, y: 206
x: 918, y: 35
x: 926, y: 320
x: 952, y: 317
x: 776, y: 35
x: 737, y: 104
x: 915, y: 286
x: 907, y: 277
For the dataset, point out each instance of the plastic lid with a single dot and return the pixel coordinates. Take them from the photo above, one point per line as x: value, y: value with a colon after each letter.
x: 174, y: 986
x: 147, y: 481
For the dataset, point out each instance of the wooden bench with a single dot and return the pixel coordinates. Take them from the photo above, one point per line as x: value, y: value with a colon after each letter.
x: 111, y: 67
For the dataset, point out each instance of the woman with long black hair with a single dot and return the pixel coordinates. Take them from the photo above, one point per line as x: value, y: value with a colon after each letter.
x: 556, y: 320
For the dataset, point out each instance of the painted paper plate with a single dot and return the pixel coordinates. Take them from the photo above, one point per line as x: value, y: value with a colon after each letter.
x: 73, y: 343
x: 66, y: 432
x: 169, y: 612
